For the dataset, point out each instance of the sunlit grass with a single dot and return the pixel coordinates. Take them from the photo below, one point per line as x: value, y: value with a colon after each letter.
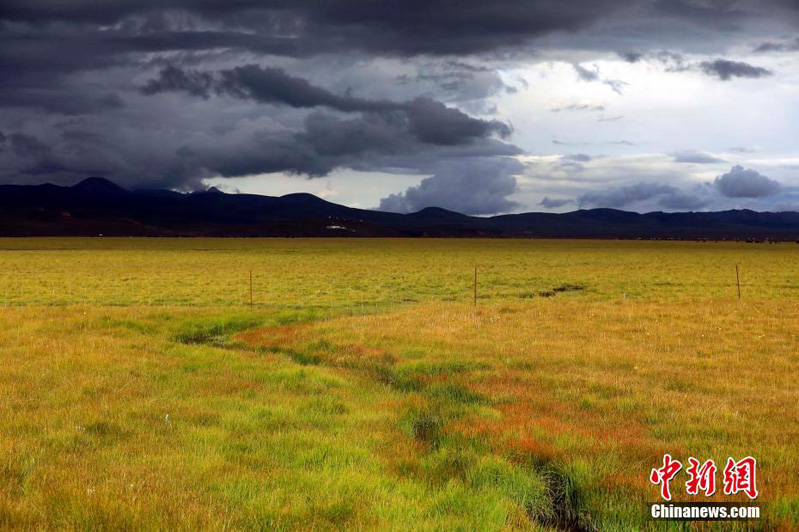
x: 598, y: 391
x: 384, y: 272
x: 363, y: 390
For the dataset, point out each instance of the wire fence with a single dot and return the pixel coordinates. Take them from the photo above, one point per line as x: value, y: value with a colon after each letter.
x: 260, y: 289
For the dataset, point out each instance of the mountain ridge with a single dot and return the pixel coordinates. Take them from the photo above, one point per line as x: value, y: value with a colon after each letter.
x: 97, y: 206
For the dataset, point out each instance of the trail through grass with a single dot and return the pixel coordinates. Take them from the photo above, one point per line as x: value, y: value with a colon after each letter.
x: 363, y: 390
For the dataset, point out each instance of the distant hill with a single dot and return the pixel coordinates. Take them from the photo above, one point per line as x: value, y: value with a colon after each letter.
x: 97, y: 206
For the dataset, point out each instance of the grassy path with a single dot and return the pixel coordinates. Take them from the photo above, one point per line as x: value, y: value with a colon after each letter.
x: 141, y: 418
x: 577, y: 400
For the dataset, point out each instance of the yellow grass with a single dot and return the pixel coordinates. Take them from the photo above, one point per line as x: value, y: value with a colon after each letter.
x: 603, y: 390
x: 364, y: 390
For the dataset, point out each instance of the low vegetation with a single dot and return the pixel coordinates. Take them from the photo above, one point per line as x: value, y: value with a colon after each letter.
x: 364, y: 389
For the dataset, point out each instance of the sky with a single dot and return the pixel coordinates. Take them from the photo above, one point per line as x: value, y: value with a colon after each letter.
x: 478, y: 107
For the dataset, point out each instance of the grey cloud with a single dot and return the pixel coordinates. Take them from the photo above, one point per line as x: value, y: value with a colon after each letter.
x: 725, y: 69
x: 274, y: 85
x: 431, y: 121
x: 72, y: 66
x: 31, y: 155
x: 70, y: 74
x: 681, y: 201
x: 583, y: 74
x: 745, y: 183
x: 567, y: 165
x: 579, y: 107
x: 461, y: 81
x: 555, y: 203
x: 783, y: 46
x: 63, y: 100
x: 665, y: 196
x: 612, y: 142
x: 436, y: 27
x: 616, y: 85
x: 578, y: 157
x: 631, y: 57
x: 436, y: 123
x: 671, y: 61
x: 182, y: 158
x: 722, y: 69
x: 28, y: 146
x: 667, y: 57
x: 259, y: 84
x: 696, y: 157
x: 620, y: 197
x: 174, y: 79
x: 368, y: 142
x: 722, y: 14
x: 470, y: 186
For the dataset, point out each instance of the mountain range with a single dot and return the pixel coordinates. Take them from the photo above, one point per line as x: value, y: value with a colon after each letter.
x: 96, y: 206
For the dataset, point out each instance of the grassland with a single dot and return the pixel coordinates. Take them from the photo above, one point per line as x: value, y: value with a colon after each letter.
x: 138, y: 388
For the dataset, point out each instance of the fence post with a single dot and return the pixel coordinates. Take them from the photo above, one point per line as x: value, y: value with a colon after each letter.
x: 475, y: 286
x: 738, y: 281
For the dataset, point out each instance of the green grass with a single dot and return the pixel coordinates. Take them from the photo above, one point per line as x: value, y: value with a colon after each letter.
x: 139, y: 390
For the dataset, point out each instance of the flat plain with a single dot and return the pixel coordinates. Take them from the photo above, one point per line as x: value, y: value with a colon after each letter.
x: 363, y: 388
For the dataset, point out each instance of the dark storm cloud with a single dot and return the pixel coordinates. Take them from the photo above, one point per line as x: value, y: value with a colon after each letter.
x: 394, y: 26
x: 263, y: 86
x: 60, y: 101
x: 174, y: 79
x: 259, y: 84
x: 31, y: 155
x: 43, y: 41
x: 745, y: 183
x: 368, y: 142
x: 435, y: 123
x: 724, y: 14
x: 725, y: 69
x: 430, y: 121
x: 470, y: 186
x: 28, y: 146
x: 696, y: 157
